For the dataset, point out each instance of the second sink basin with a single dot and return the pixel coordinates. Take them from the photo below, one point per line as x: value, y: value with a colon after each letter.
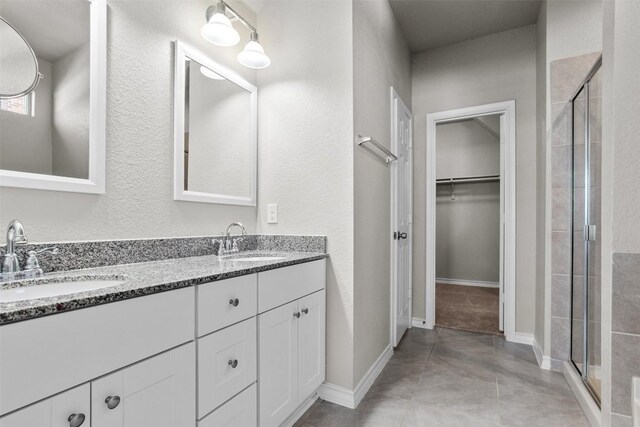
x: 45, y: 288
x: 254, y: 257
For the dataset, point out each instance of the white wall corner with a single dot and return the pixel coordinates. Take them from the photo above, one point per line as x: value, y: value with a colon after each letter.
x: 418, y: 322
x: 543, y: 361
x: 522, y: 338
x: 352, y: 398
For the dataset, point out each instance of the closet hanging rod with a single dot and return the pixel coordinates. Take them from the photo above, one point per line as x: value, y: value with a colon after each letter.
x: 389, y: 156
x: 469, y: 179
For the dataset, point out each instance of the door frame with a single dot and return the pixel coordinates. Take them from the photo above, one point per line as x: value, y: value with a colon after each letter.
x: 507, y: 110
x: 394, y: 97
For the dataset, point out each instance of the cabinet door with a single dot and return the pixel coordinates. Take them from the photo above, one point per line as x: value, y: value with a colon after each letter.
x: 157, y: 392
x: 278, y: 364
x: 311, y: 344
x: 63, y: 410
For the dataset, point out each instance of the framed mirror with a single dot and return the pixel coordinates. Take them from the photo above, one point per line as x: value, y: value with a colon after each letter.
x: 53, y: 138
x: 215, y: 125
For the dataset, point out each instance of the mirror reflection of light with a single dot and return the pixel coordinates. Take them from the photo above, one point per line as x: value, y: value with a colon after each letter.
x: 208, y: 73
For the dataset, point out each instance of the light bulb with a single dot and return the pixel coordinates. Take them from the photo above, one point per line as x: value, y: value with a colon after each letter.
x: 253, y: 56
x: 209, y: 73
x: 219, y: 31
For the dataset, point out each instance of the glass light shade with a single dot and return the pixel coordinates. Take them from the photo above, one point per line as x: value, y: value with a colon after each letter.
x: 219, y: 31
x: 253, y: 56
x: 211, y: 74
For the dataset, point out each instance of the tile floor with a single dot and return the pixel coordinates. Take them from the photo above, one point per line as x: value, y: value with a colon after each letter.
x: 453, y: 378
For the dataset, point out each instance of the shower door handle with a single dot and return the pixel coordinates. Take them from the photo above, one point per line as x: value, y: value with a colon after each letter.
x: 590, y: 232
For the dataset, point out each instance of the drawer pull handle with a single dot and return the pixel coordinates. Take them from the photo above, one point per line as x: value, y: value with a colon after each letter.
x: 305, y: 311
x: 76, y: 420
x: 234, y: 302
x: 296, y: 315
x: 112, y: 401
x: 233, y: 363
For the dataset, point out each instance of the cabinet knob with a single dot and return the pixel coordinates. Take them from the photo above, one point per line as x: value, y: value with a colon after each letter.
x: 112, y: 401
x: 76, y: 420
x: 305, y: 311
x: 233, y: 363
x: 296, y: 314
x: 234, y: 302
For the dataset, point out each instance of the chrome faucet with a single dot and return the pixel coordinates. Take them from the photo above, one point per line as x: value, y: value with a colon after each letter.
x: 10, y: 264
x: 226, y: 245
x: 15, y: 235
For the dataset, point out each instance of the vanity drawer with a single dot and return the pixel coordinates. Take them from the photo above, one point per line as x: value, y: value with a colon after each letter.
x: 241, y: 411
x: 226, y: 302
x: 280, y: 286
x: 218, y: 353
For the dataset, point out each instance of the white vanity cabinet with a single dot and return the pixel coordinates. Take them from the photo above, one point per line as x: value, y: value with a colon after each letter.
x: 69, y: 409
x: 157, y: 392
x: 291, y: 343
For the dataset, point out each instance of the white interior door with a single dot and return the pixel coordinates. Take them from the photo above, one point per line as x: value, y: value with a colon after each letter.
x: 402, y: 174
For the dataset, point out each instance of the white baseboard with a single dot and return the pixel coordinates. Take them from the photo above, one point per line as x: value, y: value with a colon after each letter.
x: 463, y: 282
x: 543, y: 361
x: 298, y: 413
x: 522, y: 338
x: 588, y: 405
x: 352, y: 398
x: 417, y: 322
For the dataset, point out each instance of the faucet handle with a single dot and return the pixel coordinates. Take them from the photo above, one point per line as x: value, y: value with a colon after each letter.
x: 52, y: 250
x: 32, y: 260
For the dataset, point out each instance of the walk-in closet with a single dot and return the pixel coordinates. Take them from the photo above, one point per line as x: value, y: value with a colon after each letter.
x: 468, y: 235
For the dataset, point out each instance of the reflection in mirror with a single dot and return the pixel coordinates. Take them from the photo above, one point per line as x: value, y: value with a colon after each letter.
x: 218, y: 136
x: 18, y: 65
x: 48, y: 131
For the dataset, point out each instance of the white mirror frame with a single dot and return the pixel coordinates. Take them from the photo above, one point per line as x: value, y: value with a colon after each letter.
x: 179, y: 193
x: 97, y: 120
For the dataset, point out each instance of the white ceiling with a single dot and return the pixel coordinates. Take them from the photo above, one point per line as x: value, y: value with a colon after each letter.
x: 52, y: 28
x: 428, y: 24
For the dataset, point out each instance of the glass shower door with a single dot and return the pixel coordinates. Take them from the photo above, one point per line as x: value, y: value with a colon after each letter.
x: 585, y: 294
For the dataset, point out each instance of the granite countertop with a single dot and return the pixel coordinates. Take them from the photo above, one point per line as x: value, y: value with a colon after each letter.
x: 142, y: 279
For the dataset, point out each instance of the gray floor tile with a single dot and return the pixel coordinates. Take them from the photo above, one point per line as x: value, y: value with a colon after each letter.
x: 530, y: 378
x: 519, y: 407
x: 463, y: 414
x: 452, y: 378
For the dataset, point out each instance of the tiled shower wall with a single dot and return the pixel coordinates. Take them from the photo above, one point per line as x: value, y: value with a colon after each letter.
x: 566, y: 76
x: 625, y: 334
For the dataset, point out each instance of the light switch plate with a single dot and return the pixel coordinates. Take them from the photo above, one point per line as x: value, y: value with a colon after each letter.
x: 272, y: 213
x: 635, y: 399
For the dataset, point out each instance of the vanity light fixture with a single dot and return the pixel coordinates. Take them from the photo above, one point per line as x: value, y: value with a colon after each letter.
x: 219, y: 30
x: 211, y: 74
x: 253, y: 56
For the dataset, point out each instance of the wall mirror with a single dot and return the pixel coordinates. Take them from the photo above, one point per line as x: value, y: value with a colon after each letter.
x: 53, y: 137
x: 215, y: 127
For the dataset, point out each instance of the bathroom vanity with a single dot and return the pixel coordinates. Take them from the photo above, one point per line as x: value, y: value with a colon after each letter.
x: 192, y: 341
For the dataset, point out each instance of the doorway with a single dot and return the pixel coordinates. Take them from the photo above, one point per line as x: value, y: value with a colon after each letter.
x: 401, y: 217
x: 471, y: 219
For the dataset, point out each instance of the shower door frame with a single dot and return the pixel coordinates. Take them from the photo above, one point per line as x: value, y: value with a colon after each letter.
x: 585, y: 89
x: 507, y: 111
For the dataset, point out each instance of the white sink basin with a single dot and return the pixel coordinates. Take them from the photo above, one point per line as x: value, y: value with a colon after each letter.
x: 54, y: 289
x: 254, y: 257
x: 258, y: 258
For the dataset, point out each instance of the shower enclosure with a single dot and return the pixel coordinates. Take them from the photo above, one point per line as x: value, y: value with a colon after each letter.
x: 585, y: 275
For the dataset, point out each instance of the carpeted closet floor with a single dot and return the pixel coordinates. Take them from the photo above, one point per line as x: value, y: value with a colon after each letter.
x: 467, y: 308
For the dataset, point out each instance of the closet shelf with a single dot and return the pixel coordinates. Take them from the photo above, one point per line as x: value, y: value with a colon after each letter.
x: 468, y: 179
